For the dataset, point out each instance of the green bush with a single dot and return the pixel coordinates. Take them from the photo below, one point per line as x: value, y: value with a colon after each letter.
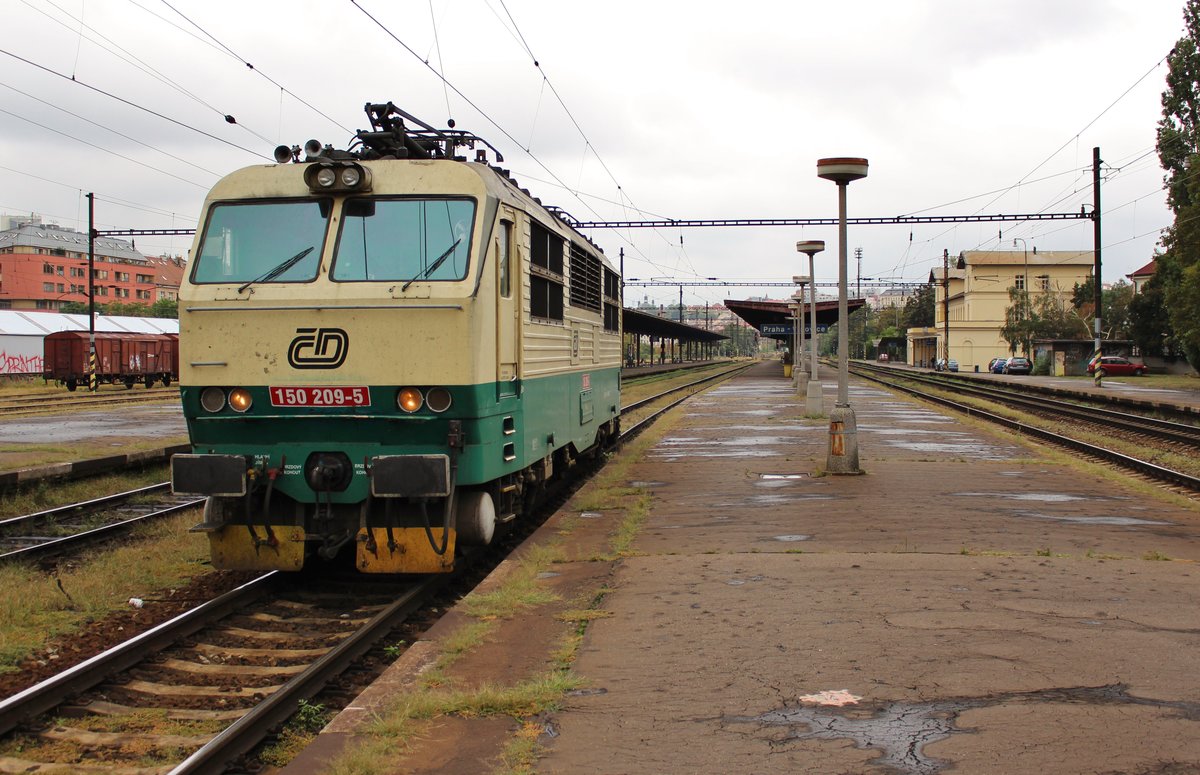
x: 1041, y: 366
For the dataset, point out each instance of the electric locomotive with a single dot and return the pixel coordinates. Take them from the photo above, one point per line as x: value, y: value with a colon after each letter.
x: 386, y: 352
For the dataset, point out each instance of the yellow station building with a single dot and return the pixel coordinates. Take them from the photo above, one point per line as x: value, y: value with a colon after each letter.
x: 972, y: 295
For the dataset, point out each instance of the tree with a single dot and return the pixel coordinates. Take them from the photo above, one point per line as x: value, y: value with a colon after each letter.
x: 1149, y: 324
x: 1116, y: 301
x: 918, y: 310
x: 1018, y: 322
x: 1044, y: 316
x: 165, y: 308
x: 1178, y: 145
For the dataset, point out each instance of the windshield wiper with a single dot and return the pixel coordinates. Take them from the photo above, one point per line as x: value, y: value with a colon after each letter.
x: 277, y: 270
x: 432, y: 267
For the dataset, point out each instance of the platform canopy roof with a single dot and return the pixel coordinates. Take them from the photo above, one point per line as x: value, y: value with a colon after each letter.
x: 773, y: 319
x: 644, y: 324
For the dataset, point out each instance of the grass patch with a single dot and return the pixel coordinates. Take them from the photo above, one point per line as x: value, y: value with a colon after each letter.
x: 37, y: 608
x: 300, y: 730
x: 13, y: 456
x: 1156, y: 556
x: 48, y: 494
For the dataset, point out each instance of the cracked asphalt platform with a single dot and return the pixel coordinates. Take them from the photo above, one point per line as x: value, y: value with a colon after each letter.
x: 972, y: 604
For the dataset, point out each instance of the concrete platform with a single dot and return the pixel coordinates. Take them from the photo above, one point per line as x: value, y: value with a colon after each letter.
x: 971, y: 604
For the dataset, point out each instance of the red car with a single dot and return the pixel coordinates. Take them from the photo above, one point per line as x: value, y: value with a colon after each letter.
x: 1115, y: 366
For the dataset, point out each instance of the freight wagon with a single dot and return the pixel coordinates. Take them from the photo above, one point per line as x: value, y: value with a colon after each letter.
x: 120, y: 358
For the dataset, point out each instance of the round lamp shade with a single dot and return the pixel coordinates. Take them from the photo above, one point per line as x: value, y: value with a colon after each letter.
x: 841, y: 170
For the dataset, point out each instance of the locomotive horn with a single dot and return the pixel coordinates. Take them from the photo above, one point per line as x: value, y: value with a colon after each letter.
x: 313, y: 148
x: 283, y: 154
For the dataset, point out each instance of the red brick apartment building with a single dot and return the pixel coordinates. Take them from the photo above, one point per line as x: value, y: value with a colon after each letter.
x: 44, y: 266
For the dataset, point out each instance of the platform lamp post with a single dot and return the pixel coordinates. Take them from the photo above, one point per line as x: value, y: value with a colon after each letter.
x: 798, y: 369
x: 814, y: 400
x: 843, y: 430
x: 1025, y: 282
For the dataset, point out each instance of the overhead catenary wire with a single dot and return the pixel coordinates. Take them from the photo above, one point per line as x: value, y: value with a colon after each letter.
x: 241, y: 59
x: 101, y: 148
x: 482, y: 113
x: 130, y: 103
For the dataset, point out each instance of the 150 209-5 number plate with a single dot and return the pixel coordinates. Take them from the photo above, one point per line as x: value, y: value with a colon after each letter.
x: 320, y: 396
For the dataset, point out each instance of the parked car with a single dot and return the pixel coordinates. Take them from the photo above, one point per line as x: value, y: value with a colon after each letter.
x: 1115, y: 366
x: 951, y: 365
x: 1018, y: 366
x: 996, y: 365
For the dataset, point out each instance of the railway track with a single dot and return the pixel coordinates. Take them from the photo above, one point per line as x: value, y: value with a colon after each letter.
x: 43, y: 535
x: 206, y: 687
x: 1139, y: 431
x: 218, y: 680
x: 35, y: 403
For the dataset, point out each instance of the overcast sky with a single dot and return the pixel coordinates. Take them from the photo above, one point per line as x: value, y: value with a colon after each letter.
x: 634, y: 110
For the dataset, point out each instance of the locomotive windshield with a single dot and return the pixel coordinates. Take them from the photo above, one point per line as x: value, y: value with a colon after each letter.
x: 262, y: 242
x: 404, y: 240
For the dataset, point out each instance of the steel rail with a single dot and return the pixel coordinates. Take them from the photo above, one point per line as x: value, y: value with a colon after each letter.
x: 49, y: 694
x: 95, y: 535
x: 1163, y: 429
x: 243, y: 735
x: 95, y: 503
x: 1144, y: 467
x: 665, y: 393
x: 633, y: 430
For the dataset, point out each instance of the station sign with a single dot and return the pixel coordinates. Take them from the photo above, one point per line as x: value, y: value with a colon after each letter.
x: 786, y: 329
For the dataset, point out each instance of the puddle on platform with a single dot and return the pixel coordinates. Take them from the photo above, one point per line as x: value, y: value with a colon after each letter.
x: 791, y: 538
x: 646, y: 485
x: 900, y: 731
x: 671, y: 457
x: 782, y: 476
x: 972, y: 450
x: 590, y: 515
x: 740, y: 582
x: 1114, y: 521
x: 1040, y: 497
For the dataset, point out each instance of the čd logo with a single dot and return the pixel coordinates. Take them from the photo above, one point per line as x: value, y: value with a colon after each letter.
x: 318, y: 348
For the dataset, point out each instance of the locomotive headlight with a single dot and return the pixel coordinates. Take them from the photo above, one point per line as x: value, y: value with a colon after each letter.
x: 212, y: 399
x: 326, y: 177
x: 351, y: 177
x: 409, y: 399
x: 240, y: 400
x: 438, y: 399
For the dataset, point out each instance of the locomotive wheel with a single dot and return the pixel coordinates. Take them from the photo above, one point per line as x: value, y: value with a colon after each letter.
x: 475, y: 515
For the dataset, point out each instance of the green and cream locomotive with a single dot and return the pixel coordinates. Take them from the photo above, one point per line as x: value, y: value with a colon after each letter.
x: 386, y: 351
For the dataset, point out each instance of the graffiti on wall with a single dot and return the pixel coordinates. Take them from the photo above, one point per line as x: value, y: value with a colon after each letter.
x: 16, y: 363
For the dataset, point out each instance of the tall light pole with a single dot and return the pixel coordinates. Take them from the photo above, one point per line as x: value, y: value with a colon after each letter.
x: 801, y: 378
x: 843, y: 430
x: 813, y: 399
x: 1025, y: 299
